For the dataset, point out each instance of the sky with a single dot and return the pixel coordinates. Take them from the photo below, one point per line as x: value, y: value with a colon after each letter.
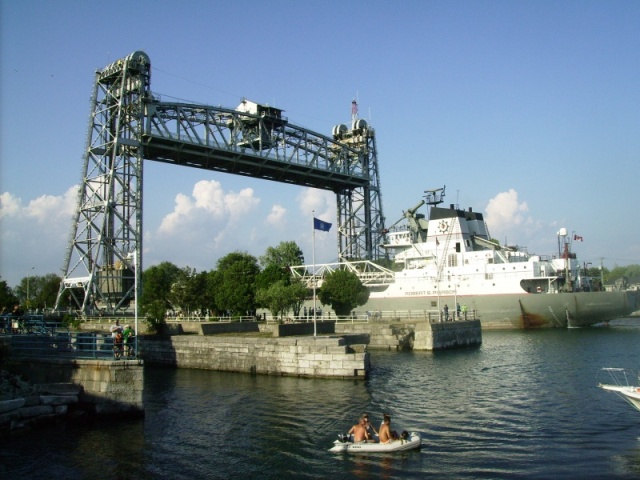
x: 527, y: 111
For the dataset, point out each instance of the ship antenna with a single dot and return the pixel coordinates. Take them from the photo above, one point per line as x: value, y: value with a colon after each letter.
x: 434, y: 197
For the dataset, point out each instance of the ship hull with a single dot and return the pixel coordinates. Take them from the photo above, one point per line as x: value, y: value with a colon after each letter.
x: 519, y: 311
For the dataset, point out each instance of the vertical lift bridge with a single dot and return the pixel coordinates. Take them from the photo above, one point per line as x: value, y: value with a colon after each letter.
x: 128, y: 125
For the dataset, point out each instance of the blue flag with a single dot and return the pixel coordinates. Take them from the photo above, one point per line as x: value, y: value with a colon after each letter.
x: 320, y: 225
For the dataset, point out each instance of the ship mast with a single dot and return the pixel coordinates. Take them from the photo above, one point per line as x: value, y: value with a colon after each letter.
x: 432, y: 198
x: 563, y: 252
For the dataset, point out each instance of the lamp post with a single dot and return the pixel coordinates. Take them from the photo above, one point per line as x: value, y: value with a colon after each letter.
x: 28, y: 295
x: 135, y: 296
x: 134, y: 255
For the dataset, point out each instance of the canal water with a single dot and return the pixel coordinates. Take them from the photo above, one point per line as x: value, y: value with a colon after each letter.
x: 522, y: 405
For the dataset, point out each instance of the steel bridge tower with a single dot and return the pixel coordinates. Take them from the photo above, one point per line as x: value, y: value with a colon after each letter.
x: 128, y: 125
x: 106, y: 238
x: 361, y: 227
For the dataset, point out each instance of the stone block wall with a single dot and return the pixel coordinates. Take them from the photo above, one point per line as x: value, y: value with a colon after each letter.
x: 231, y: 327
x: 43, y: 403
x: 417, y: 335
x: 383, y: 336
x: 112, y: 386
x: 307, y: 328
x: 437, y: 336
x: 329, y: 357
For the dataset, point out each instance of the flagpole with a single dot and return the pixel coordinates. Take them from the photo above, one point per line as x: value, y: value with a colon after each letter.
x: 313, y: 228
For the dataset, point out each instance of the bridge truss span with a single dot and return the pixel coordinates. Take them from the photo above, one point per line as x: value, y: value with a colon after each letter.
x: 258, y: 145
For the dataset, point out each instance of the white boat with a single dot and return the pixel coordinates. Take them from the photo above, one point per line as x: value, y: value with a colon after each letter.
x: 618, y: 382
x: 449, y: 259
x: 412, y: 442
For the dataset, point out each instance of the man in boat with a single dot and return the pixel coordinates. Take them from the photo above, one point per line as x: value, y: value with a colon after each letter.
x: 359, y: 431
x: 369, y: 426
x: 385, y: 434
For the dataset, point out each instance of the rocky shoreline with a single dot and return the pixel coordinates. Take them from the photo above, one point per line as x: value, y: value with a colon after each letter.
x: 24, y: 406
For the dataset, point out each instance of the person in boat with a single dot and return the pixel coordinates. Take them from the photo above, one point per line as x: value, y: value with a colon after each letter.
x: 359, y: 431
x: 371, y: 431
x: 386, y: 434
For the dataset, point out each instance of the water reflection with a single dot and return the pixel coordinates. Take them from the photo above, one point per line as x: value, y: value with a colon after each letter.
x: 524, y: 404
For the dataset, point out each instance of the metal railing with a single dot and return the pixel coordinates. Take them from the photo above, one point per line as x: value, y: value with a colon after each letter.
x: 28, y: 324
x: 433, y: 316
x: 87, y: 345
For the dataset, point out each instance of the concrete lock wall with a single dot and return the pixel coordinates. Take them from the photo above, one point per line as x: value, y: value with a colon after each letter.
x: 111, y: 386
x: 438, y: 336
x: 330, y: 357
x: 383, y: 336
x: 417, y: 335
x: 232, y: 327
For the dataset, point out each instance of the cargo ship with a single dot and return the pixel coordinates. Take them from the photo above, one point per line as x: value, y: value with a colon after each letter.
x: 447, y: 262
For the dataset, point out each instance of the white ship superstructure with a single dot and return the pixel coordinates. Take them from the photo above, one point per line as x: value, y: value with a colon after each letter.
x: 450, y: 259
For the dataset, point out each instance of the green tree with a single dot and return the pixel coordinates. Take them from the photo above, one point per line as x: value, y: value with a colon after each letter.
x: 7, y: 297
x: 156, y: 291
x: 198, y: 291
x: 628, y: 272
x: 157, y: 282
x: 276, y: 262
x: 38, y: 291
x: 154, y: 312
x: 270, y: 275
x: 233, y: 284
x: 188, y: 290
x: 285, y: 254
x: 344, y: 291
x: 281, y: 297
x: 298, y: 293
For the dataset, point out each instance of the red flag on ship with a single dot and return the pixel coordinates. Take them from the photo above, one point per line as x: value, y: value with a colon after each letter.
x: 577, y: 237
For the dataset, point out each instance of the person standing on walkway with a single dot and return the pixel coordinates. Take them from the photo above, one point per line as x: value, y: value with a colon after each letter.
x: 115, y: 328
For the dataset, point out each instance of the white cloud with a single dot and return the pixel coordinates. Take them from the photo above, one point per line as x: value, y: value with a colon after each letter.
x: 203, y: 227
x: 322, y: 202
x: 276, y: 217
x: 35, y: 234
x: 508, y: 220
x: 42, y: 209
x: 504, y: 211
x: 208, y: 203
x: 9, y: 205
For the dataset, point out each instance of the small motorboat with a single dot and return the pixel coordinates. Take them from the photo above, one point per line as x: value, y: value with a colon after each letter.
x: 619, y: 378
x: 411, y: 441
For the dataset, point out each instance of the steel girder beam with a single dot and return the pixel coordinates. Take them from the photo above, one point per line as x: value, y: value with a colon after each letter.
x: 230, y: 141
